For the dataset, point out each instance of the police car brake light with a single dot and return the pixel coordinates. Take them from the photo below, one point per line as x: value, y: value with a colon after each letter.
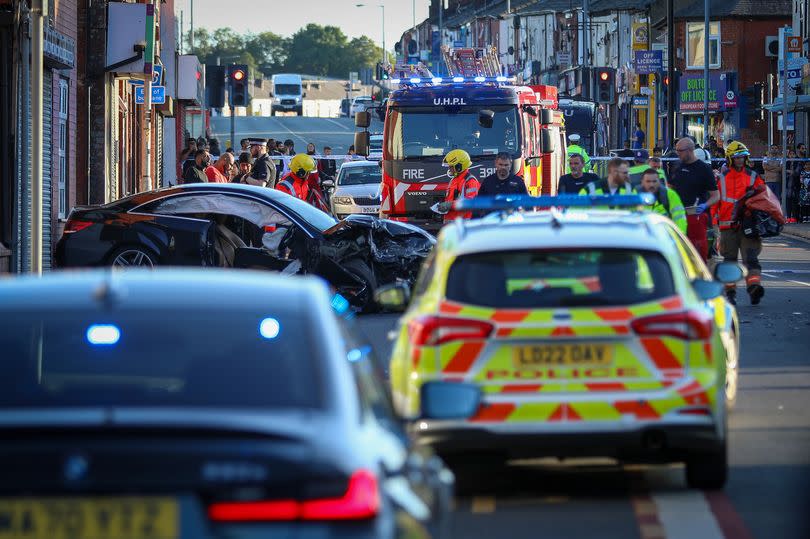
x: 506, y: 202
x: 437, y: 330
x: 686, y: 325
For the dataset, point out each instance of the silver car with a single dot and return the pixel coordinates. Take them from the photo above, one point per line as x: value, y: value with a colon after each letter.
x: 357, y: 189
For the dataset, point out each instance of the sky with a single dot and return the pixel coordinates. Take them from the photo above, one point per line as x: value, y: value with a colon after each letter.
x: 258, y: 16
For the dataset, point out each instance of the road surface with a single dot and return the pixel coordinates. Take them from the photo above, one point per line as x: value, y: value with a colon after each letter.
x: 768, y: 493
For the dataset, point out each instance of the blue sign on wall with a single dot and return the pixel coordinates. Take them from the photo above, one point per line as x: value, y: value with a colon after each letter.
x: 648, y: 62
x: 158, y: 95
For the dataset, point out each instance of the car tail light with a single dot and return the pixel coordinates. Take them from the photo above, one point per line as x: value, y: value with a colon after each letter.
x: 361, y: 501
x: 687, y: 325
x: 75, y: 225
x: 436, y: 330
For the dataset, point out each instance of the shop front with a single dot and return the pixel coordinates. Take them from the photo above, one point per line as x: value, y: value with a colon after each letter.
x: 724, y: 122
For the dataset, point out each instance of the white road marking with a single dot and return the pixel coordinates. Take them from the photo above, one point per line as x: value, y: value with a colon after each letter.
x: 342, y: 126
x: 686, y: 515
x: 771, y: 275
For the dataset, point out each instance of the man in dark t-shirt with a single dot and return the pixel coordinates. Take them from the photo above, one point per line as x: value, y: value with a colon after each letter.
x: 576, y: 180
x: 504, y: 181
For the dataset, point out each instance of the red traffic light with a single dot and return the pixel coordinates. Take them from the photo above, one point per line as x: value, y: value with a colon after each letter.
x: 238, y: 74
x: 604, y: 75
x: 666, y: 81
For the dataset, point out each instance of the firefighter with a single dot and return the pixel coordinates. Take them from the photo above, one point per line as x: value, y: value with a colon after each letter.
x: 732, y: 186
x: 295, y: 182
x: 575, y: 148
x: 462, y: 185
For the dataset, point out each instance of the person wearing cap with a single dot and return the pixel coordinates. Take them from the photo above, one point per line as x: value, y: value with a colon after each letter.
x: 640, y: 165
x: 244, y: 165
x: 263, y: 172
x: 575, y: 148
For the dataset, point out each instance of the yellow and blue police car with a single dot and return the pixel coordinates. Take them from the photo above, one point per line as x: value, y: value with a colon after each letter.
x: 587, y: 332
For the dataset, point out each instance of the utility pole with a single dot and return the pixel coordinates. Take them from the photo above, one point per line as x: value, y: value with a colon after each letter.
x: 706, y: 73
x: 783, y: 89
x: 586, y: 34
x: 191, y: 31
x: 671, y: 127
x: 148, y: 60
x: 38, y: 10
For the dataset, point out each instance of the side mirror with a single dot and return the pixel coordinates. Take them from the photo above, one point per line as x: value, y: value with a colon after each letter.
x: 546, y: 141
x: 394, y: 297
x: 486, y: 118
x: 449, y: 400
x: 729, y: 272
x: 327, y: 183
x: 546, y: 116
x: 707, y: 290
x: 361, y: 142
x: 362, y: 119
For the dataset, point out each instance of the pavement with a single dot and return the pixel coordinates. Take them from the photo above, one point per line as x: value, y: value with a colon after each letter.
x: 768, y: 492
x: 797, y: 230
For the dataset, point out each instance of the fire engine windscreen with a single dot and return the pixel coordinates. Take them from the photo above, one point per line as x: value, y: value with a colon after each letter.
x: 418, y: 132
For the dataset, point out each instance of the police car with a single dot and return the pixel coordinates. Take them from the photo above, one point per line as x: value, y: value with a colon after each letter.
x: 587, y: 332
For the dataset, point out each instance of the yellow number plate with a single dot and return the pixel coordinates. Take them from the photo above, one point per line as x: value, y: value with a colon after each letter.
x: 89, y: 518
x: 562, y: 354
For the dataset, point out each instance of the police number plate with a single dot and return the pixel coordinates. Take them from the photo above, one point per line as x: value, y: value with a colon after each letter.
x: 89, y: 518
x: 562, y: 354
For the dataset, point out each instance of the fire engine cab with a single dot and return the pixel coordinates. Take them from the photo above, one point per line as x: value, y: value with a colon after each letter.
x: 474, y: 108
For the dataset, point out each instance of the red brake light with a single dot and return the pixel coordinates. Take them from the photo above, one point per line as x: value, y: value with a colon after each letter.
x: 74, y: 225
x: 361, y: 501
x: 436, y: 330
x: 687, y: 325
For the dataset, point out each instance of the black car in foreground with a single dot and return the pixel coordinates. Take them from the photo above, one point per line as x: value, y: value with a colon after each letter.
x: 177, y: 404
x: 235, y: 225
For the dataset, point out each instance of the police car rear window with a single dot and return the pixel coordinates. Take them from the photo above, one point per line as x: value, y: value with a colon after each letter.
x: 559, y: 278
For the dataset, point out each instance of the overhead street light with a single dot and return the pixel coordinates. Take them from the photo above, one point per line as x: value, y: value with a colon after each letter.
x: 382, y: 7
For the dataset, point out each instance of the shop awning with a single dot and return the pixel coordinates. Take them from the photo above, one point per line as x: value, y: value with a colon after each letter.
x: 794, y: 103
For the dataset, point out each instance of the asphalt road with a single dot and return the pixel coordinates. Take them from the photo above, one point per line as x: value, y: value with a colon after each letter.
x: 768, y: 493
x: 335, y: 132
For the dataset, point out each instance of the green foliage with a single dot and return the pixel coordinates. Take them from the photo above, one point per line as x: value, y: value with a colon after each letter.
x: 313, y: 50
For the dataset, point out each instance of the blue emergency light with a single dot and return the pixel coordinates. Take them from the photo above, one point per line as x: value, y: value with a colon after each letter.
x: 453, y: 80
x: 506, y: 202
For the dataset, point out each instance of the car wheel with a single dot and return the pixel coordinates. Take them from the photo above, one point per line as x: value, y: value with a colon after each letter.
x: 732, y: 370
x: 361, y: 270
x: 299, y: 112
x: 132, y: 257
x: 708, y: 471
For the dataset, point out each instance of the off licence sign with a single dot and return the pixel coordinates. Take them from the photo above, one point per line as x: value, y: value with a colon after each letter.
x: 648, y: 62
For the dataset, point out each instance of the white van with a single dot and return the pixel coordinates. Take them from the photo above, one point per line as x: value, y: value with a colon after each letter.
x: 287, y: 94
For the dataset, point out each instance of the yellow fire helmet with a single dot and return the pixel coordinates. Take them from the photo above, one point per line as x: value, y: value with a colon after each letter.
x: 736, y: 148
x: 458, y: 161
x: 302, y: 165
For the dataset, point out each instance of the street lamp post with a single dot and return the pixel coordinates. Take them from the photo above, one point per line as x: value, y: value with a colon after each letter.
x: 382, y: 7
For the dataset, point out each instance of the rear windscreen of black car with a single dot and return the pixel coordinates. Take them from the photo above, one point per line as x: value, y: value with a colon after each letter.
x: 186, y: 358
x: 559, y: 278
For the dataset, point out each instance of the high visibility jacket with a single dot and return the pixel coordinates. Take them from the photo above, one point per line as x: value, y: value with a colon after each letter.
x: 577, y: 149
x: 293, y: 185
x: 667, y: 202
x: 732, y: 186
x: 637, y: 171
x: 465, y: 185
x: 602, y: 188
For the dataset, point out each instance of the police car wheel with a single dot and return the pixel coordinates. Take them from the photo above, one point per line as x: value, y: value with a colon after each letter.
x: 708, y: 471
x: 365, y: 301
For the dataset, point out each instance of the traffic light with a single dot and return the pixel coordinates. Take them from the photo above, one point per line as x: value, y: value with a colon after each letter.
x: 380, y: 72
x: 663, y: 96
x: 605, y: 85
x: 215, y: 86
x: 238, y: 85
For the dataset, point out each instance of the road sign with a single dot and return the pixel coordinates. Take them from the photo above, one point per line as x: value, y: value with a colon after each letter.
x: 158, y: 95
x: 648, y: 62
x: 354, y: 76
x: 563, y: 59
x: 157, y: 76
x: 793, y: 43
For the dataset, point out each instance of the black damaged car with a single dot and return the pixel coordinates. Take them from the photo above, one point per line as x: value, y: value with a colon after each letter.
x: 242, y: 226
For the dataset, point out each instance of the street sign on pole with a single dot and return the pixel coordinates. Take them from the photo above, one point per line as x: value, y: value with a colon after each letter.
x: 157, y: 76
x: 158, y: 95
x: 648, y: 62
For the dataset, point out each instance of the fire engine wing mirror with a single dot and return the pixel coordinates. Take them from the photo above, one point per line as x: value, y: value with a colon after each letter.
x: 486, y: 118
x: 393, y: 297
x: 362, y: 119
x: 547, y: 144
x: 449, y: 400
x: 546, y: 116
x: 361, y: 142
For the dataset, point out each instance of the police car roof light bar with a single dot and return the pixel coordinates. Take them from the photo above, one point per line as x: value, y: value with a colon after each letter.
x: 506, y: 202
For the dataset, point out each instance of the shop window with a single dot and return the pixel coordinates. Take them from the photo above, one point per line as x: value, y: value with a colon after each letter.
x: 694, y: 45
